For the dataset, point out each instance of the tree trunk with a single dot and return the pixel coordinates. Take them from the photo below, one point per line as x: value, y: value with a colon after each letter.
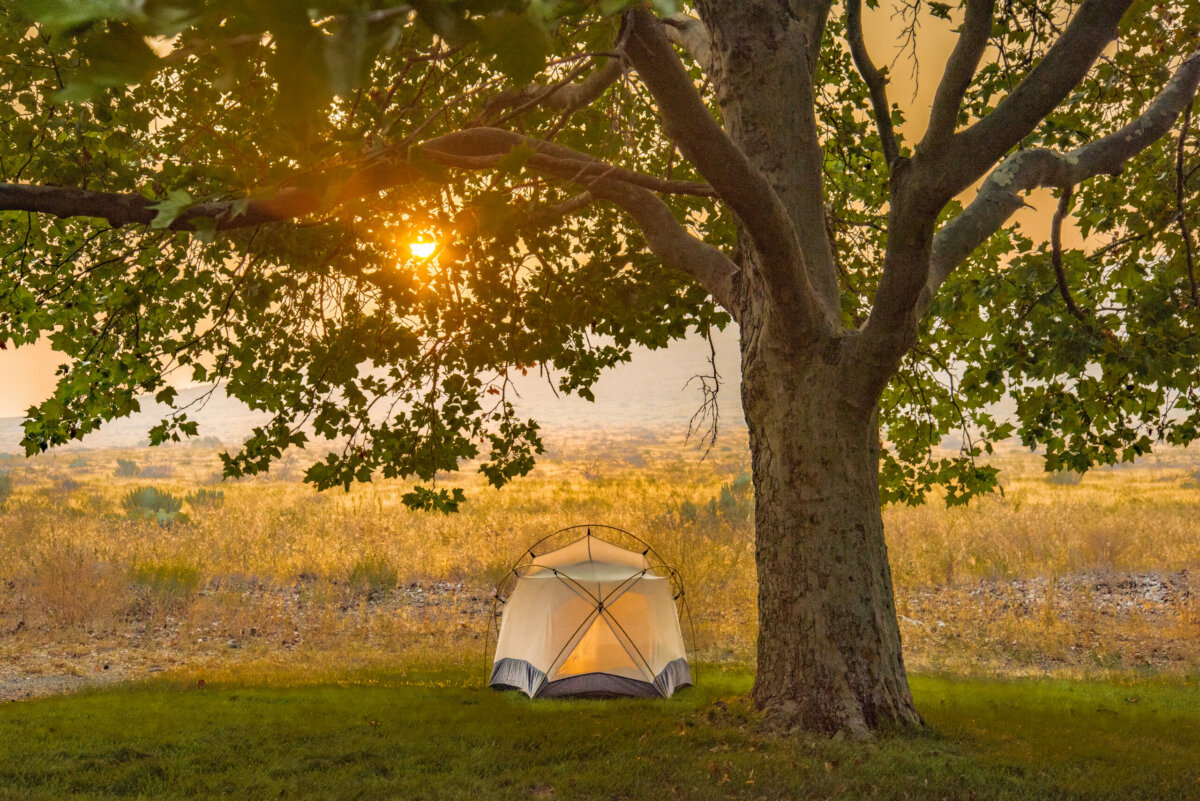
x: 829, y: 655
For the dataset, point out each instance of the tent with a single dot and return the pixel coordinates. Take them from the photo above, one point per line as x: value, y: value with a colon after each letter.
x: 590, y: 618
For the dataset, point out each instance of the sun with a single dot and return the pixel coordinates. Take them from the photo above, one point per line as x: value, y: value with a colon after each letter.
x: 422, y: 249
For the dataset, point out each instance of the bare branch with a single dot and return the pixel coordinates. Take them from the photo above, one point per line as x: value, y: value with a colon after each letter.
x: 1000, y: 196
x: 1180, y: 182
x: 876, y: 83
x: 563, y: 96
x: 1060, y: 275
x: 973, y: 151
x: 703, y: 142
x: 960, y: 69
x: 476, y: 148
x: 689, y: 33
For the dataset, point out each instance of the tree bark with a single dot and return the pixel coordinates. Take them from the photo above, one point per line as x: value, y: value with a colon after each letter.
x: 829, y: 656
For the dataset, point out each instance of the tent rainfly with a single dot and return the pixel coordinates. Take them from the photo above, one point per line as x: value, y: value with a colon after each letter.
x: 590, y: 619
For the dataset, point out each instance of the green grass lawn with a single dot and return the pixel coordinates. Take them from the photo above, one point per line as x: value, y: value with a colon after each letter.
x: 427, y: 735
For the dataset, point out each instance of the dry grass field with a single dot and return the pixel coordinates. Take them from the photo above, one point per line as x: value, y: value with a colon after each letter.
x: 1098, y: 578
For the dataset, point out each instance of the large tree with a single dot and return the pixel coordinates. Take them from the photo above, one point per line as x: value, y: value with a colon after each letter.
x: 226, y: 188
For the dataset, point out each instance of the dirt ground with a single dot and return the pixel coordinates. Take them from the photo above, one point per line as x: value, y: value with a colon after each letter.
x: 1082, y: 624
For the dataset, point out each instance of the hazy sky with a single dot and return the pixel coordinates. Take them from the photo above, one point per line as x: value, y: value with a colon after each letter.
x: 27, y: 374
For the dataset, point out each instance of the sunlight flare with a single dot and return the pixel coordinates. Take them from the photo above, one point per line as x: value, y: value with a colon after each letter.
x: 422, y: 249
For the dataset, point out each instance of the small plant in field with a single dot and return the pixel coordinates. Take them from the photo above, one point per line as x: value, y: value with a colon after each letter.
x: 206, y: 499
x: 372, y: 576
x: 6, y: 486
x: 78, y: 463
x: 127, y: 468
x: 168, y: 583
x: 66, y: 484
x: 1068, y: 478
x: 151, y: 503
x: 157, y: 471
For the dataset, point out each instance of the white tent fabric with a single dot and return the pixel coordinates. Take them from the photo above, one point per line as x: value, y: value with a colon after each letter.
x: 590, y: 618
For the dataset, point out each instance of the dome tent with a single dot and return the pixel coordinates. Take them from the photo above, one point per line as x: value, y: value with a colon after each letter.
x: 590, y: 619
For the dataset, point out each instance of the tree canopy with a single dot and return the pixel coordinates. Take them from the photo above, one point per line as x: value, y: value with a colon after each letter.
x: 226, y: 191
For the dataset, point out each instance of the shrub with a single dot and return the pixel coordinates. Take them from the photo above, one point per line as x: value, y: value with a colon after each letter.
x: 126, y: 468
x: 66, y: 484
x: 151, y: 503
x: 206, y: 499
x: 168, y: 583
x: 1068, y: 478
x: 372, y: 576
x: 6, y: 486
x: 73, y: 587
x: 207, y: 442
x: 157, y: 471
x: 78, y: 463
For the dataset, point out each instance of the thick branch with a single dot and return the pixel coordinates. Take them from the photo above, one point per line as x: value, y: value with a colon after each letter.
x: 475, y: 148
x: 130, y: 208
x: 960, y: 69
x: 689, y: 33
x: 876, y: 83
x: 702, y: 141
x: 670, y: 242
x: 1001, y: 194
x: 481, y: 148
x: 973, y: 151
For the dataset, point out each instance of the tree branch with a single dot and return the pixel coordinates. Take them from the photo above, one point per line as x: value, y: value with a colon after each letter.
x: 876, y: 83
x: 1060, y: 275
x: 474, y: 148
x: 481, y: 148
x: 1180, y: 182
x: 563, y: 96
x: 703, y: 142
x: 1000, y: 196
x: 131, y: 208
x: 689, y: 33
x: 960, y: 69
x: 970, y: 153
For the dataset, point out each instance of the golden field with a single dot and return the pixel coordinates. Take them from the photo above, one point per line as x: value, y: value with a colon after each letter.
x: 1096, y: 577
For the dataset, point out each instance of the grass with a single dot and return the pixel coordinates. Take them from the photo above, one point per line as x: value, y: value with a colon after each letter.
x: 275, y: 575
x: 429, y: 734
x: 275, y: 563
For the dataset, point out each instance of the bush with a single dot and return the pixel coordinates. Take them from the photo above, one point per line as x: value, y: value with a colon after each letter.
x: 126, y: 468
x: 373, y: 576
x: 207, y: 442
x: 1067, y: 478
x: 206, y: 499
x: 78, y: 463
x: 6, y: 486
x: 157, y: 471
x: 151, y: 503
x: 66, y: 484
x: 168, y: 583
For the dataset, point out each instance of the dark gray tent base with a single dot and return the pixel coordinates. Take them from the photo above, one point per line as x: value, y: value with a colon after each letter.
x: 517, y: 674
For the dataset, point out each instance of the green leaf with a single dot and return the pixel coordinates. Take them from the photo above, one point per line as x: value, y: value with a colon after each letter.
x: 519, y: 44
x: 178, y: 201
x: 60, y: 16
